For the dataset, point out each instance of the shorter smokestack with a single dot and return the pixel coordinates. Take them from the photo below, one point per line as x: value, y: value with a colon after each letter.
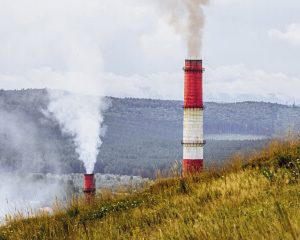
x: 89, y: 186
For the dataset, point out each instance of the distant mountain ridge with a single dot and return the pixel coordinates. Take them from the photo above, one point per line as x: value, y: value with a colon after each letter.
x: 142, y: 134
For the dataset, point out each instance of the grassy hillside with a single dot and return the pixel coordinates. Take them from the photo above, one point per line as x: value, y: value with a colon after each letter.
x: 253, y: 198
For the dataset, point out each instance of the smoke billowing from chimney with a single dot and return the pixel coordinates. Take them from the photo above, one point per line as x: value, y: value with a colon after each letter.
x: 187, y: 18
x: 82, y: 117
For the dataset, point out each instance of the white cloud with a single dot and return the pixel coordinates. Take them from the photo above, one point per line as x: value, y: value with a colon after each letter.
x: 238, y: 83
x: 122, y: 48
x: 291, y: 35
x: 226, y: 83
x: 161, y: 43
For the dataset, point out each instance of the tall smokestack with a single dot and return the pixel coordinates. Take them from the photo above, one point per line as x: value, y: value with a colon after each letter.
x: 89, y: 186
x: 193, y: 141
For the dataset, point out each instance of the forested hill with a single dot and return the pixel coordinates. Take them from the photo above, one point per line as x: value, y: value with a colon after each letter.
x: 142, y: 134
x: 251, y: 118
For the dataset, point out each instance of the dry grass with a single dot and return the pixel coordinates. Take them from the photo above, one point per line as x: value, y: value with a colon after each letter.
x: 254, y: 198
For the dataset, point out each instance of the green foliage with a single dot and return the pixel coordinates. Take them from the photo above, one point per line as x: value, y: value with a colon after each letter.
x: 268, y: 173
x: 278, y: 159
x: 99, y: 213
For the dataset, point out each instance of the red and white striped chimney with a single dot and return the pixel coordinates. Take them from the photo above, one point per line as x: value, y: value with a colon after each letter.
x: 193, y: 141
x: 89, y: 187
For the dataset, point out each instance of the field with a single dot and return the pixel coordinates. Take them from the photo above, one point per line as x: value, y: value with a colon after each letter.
x: 257, y: 197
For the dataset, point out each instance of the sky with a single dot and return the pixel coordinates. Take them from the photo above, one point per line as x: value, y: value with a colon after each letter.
x: 251, y: 49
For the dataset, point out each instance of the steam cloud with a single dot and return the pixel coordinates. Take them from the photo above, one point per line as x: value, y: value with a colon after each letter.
x: 18, y: 193
x: 80, y: 116
x: 187, y: 18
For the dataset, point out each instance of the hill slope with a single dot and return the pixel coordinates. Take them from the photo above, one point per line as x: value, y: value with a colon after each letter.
x: 259, y: 199
x: 135, y: 128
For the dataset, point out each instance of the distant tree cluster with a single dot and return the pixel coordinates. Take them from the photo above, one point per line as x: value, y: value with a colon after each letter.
x: 142, y: 136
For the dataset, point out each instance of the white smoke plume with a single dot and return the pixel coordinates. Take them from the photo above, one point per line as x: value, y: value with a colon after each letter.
x: 187, y: 18
x: 24, y: 194
x: 81, y: 117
